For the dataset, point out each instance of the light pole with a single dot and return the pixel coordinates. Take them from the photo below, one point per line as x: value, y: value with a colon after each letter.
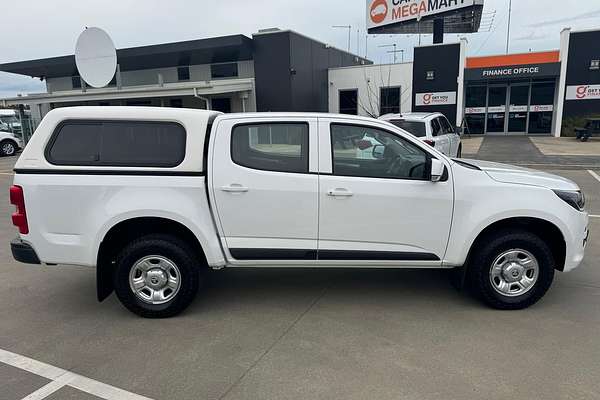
x: 393, y: 51
x: 508, y: 30
x: 349, y: 27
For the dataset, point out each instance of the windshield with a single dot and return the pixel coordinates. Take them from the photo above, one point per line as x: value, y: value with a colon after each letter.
x: 414, y: 127
x: 8, y: 119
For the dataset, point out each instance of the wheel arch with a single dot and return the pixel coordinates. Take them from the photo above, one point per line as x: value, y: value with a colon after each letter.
x: 130, y: 229
x: 543, y: 228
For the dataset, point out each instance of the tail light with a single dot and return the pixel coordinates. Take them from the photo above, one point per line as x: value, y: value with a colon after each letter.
x: 430, y: 142
x: 19, y: 217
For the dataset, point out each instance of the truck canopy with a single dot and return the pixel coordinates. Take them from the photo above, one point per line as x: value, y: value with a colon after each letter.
x: 195, y: 123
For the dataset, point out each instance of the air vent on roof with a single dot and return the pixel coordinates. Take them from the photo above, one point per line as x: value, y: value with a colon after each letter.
x: 268, y: 30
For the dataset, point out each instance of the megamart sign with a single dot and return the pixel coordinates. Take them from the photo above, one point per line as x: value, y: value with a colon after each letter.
x: 387, y: 12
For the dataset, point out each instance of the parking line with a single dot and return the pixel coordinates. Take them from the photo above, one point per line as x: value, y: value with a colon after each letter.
x: 61, y: 377
x: 595, y: 175
x: 594, y: 216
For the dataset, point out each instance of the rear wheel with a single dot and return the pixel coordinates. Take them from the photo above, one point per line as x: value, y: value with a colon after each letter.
x: 8, y: 148
x: 157, y: 276
x: 512, y: 270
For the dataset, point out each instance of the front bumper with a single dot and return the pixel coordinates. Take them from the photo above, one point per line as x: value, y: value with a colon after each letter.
x: 576, y: 246
x: 23, y: 252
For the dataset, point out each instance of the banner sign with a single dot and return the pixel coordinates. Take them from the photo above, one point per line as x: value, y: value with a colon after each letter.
x: 386, y: 12
x: 435, y: 99
x: 583, y: 92
x: 512, y: 72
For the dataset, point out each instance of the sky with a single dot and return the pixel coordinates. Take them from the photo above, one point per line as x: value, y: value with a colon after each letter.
x: 46, y: 28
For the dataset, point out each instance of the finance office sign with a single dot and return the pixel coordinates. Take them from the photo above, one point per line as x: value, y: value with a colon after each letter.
x: 583, y: 92
x: 435, y: 99
x: 386, y: 12
x: 512, y: 72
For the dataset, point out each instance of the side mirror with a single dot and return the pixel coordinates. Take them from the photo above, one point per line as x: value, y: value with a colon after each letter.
x: 437, y: 170
x: 378, y: 151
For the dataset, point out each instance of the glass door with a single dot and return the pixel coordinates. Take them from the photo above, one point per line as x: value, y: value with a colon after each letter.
x: 475, y: 102
x: 541, y: 111
x: 496, y: 109
x: 519, y: 106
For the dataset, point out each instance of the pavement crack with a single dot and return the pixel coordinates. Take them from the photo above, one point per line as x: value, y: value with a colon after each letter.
x: 268, y: 350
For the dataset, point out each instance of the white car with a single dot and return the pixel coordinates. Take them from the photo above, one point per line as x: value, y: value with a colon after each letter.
x: 9, y: 144
x: 433, y: 128
x: 151, y: 196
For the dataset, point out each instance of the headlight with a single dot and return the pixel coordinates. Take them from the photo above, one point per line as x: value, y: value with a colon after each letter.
x: 575, y: 199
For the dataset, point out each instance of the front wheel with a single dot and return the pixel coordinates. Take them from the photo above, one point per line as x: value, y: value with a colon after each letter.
x: 157, y: 276
x: 512, y: 270
x: 8, y: 148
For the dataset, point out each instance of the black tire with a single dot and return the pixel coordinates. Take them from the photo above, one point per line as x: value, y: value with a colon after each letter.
x: 480, y: 265
x: 171, y: 248
x: 7, y: 144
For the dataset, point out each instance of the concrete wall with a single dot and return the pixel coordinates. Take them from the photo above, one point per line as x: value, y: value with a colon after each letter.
x: 292, y: 71
x: 198, y: 73
x: 368, y: 80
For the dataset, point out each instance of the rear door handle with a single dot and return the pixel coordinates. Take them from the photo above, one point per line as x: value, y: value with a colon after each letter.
x: 234, y: 188
x: 340, y: 192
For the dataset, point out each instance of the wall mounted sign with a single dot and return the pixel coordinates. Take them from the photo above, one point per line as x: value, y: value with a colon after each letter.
x: 435, y: 99
x: 583, y: 92
x: 518, y: 108
x: 513, y: 72
x: 542, y: 108
x: 475, y: 110
x: 497, y: 109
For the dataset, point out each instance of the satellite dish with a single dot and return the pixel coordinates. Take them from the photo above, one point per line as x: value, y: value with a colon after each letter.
x: 95, y: 57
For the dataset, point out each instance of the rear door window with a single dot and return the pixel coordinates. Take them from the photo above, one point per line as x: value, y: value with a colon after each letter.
x: 281, y: 147
x: 117, y: 143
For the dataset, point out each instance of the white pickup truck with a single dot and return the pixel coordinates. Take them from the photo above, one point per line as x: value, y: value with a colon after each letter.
x: 152, y: 196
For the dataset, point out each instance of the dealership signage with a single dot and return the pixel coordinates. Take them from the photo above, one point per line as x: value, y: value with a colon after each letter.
x: 387, y: 12
x: 583, y: 92
x: 435, y: 99
x: 514, y: 71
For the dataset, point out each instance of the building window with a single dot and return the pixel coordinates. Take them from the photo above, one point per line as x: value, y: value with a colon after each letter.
x: 183, y: 73
x: 271, y: 147
x: 218, y: 71
x: 389, y: 100
x: 76, y: 81
x: 117, y: 143
x: 176, y: 103
x: 349, y: 102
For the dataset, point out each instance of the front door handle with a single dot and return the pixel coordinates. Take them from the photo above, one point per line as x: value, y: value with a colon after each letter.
x: 339, y: 192
x: 234, y: 188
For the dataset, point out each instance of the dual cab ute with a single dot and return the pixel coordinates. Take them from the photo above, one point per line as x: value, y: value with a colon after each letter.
x: 152, y: 196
